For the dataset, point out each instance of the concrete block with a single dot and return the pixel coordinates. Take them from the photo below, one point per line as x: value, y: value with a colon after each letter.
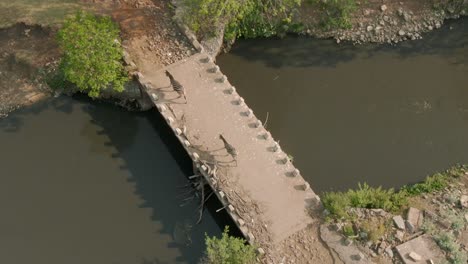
x: 415, y: 256
x: 240, y: 221
x: 154, y: 96
x: 266, y: 135
x: 221, y: 195
x: 186, y: 143
x: 306, y: 186
x: 250, y: 237
x: 231, y: 208
x: 412, y: 219
x: 196, y: 156
x: 204, y: 168
x: 260, y: 251
x: 215, y: 69
x: 170, y: 119
x: 295, y: 173
x: 248, y: 113
x: 223, y: 79
x: 163, y: 108
x: 399, y: 222
x: 423, y: 246
x: 231, y: 90
x: 276, y: 147
x: 178, y: 131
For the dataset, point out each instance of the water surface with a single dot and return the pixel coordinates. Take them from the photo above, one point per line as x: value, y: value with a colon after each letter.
x: 386, y: 115
x: 87, y: 183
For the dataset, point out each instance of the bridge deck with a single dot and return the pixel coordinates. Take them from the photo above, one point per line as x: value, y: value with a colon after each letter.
x: 270, y: 200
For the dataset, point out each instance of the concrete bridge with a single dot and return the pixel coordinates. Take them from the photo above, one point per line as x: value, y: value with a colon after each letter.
x: 262, y: 190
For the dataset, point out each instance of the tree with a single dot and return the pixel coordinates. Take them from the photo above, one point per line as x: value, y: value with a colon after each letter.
x: 92, y: 58
x: 228, y: 250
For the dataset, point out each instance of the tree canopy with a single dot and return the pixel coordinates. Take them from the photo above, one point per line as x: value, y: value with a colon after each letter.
x: 92, y: 53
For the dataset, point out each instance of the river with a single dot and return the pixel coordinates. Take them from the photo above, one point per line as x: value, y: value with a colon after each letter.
x: 86, y: 182
x: 385, y: 115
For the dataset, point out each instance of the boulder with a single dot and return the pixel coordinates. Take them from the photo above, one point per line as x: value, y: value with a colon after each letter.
x: 464, y: 201
x: 399, y: 222
x: 414, y: 219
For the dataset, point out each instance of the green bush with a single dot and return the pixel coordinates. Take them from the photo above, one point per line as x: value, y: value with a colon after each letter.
x: 335, y: 13
x: 243, y: 18
x: 228, y: 250
x: 337, y: 203
x: 437, y: 181
x: 92, y: 53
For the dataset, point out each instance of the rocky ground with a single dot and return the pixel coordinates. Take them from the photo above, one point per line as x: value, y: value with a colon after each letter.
x: 387, y: 21
x: 412, y: 236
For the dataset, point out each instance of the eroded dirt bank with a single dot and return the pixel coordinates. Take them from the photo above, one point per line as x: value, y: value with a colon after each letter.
x: 25, y: 54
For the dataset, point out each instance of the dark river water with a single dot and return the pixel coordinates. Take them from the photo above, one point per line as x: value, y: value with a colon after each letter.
x: 88, y: 183
x: 386, y: 115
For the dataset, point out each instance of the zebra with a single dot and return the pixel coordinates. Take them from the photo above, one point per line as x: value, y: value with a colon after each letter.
x: 178, y: 88
x: 229, y: 148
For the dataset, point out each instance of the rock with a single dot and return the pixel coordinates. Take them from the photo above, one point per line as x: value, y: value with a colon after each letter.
x: 377, y: 30
x: 466, y: 217
x: 382, y: 23
x: 369, y: 28
x: 348, y: 242
x: 401, y: 32
x: 400, y: 11
x: 399, y: 222
x: 414, y: 256
x: 359, y: 256
x: 386, y: 18
x: 389, y: 252
x: 413, y: 219
x: 366, y: 12
x: 437, y: 24
x: 383, y: 8
x: 464, y: 201
x: 400, y: 235
x: 407, y: 17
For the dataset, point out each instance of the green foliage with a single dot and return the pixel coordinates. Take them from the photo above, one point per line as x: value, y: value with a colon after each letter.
x: 437, y: 181
x: 375, y: 230
x: 335, y: 13
x: 243, y: 18
x: 228, y: 250
x: 365, y: 196
x: 92, y: 57
x: 447, y: 241
x: 348, y: 230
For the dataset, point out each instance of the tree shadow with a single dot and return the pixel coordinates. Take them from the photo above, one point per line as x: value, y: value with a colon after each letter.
x: 16, y: 119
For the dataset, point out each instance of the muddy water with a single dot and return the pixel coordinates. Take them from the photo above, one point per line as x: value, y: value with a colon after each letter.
x: 383, y: 115
x: 88, y: 183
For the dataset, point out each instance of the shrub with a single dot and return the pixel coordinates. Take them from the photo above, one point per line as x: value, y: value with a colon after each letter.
x: 228, y: 250
x: 242, y: 18
x: 337, y: 203
x: 335, y: 13
x: 437, y: 181
x: 92, y: 58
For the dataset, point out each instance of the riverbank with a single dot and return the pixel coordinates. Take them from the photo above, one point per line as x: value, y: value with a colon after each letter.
x: 389, y: 21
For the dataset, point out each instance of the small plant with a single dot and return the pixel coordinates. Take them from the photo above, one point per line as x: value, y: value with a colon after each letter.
x: 374, y: 230
x: 228, y: 250
x: 348, y: 230
x: 92, y: 54
x: 335, y: 13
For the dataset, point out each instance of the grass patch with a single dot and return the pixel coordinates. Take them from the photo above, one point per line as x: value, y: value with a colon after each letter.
x: 436, y: 182
x: 338, y: 203
x: 42, y: 12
